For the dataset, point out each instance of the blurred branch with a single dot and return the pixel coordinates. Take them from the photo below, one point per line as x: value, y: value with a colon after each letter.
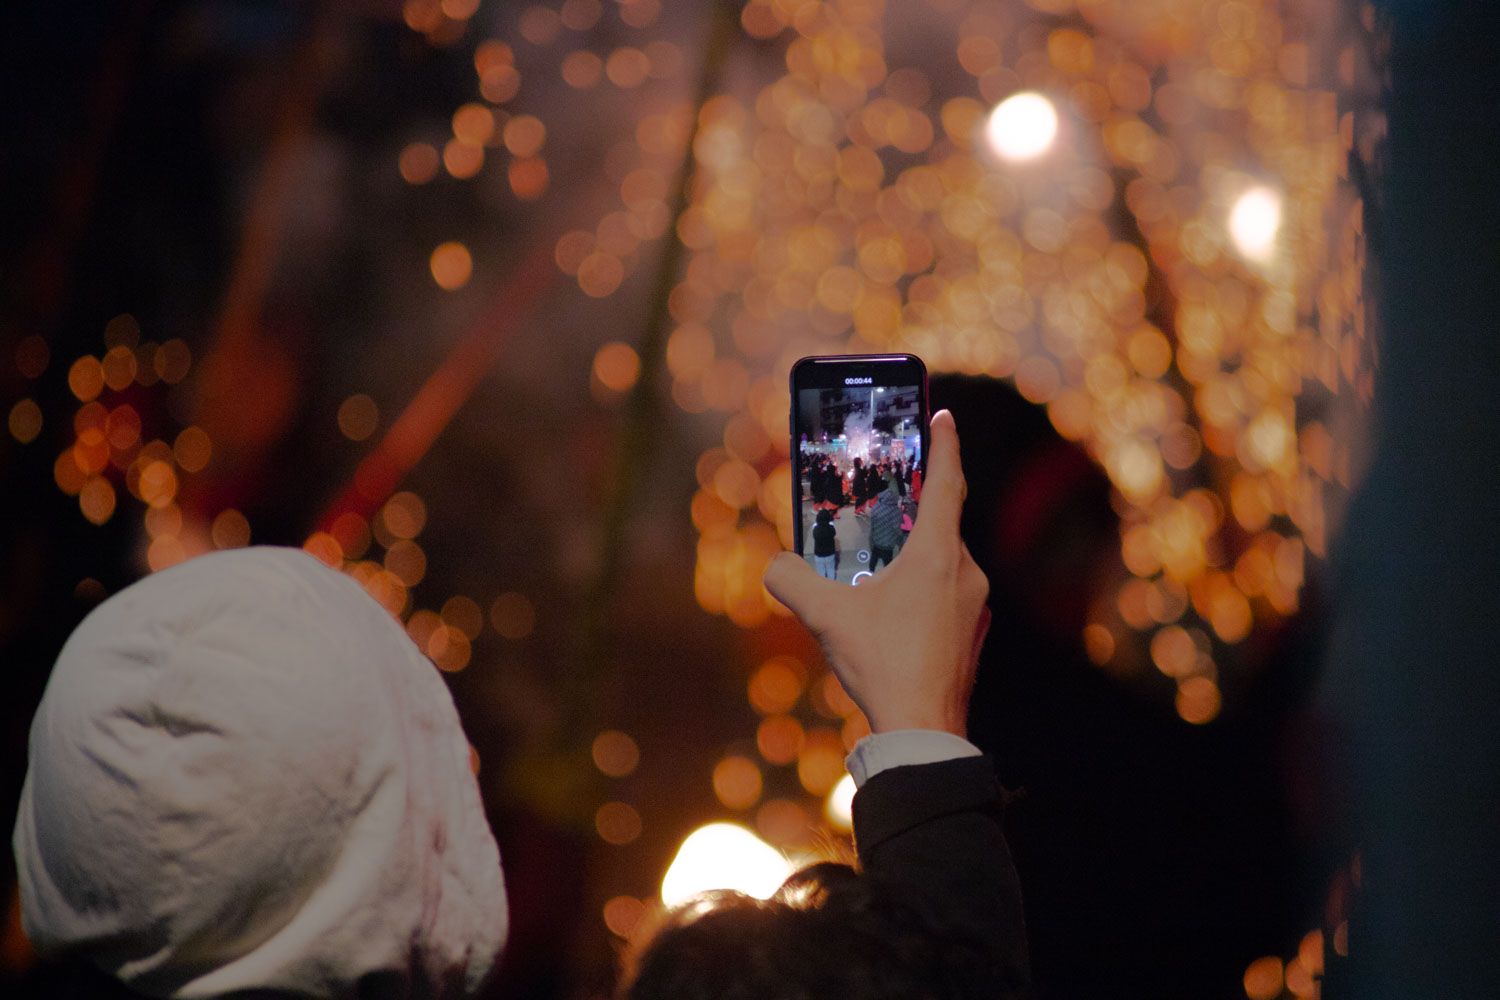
x: 559, y: 778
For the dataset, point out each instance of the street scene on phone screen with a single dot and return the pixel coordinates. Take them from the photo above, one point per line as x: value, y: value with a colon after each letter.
x: 859, y: 467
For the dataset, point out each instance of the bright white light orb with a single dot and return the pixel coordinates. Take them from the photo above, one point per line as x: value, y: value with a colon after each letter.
x: 1254, y: 222
x: 1022, y: 126
x: 840, y: 805
x: 724, y: 856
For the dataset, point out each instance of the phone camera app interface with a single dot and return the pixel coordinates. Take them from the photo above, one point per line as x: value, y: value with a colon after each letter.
x: 859, y: 457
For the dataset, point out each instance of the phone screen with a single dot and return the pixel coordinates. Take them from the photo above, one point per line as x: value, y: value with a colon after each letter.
x: 859, y: 438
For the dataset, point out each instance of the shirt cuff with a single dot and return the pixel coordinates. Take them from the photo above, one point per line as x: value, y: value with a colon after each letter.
x: 904, y: 747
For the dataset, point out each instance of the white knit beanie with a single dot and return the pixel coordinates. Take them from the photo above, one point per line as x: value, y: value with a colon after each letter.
x: 244, y: 776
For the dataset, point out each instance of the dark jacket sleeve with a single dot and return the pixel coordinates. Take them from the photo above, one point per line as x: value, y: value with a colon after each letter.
x: 931, y: 835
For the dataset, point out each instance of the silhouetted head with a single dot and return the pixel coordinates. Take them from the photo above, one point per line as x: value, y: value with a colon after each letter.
x: 1037, y: 517
x: 827, y: 933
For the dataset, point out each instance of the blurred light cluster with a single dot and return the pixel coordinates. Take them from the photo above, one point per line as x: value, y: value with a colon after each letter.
x: 384, y: 554
x: 1296, y: 978
x: 121, y: 449
x: 1125, y: 216
x: 807, y: 725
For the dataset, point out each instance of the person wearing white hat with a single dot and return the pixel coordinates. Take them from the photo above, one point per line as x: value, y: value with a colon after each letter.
x: 245, y: 778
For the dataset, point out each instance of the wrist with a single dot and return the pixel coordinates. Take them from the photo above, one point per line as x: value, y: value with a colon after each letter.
x: 943, y: 721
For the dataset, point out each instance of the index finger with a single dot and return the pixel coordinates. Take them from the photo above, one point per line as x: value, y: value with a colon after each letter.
x: 944, y: 488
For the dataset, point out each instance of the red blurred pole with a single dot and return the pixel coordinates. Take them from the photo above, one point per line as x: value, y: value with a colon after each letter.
x: 413, y: 433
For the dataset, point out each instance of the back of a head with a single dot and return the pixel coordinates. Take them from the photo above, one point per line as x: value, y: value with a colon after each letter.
x: 245, y: 777
x: 827, y: 933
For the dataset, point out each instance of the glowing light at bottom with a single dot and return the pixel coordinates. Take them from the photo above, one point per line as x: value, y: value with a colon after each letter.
x: 840, y: 805
x: 724, y: 856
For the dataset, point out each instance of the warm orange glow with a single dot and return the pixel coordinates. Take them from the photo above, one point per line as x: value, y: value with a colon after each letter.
x: 580, y: 15
x: 421, y: 624
x: 448, y: 648
x: 779, y: 738
x: 627, y: 67
x: 230, y: 530
x: 524, y: 135
x: 161, y: 521
x: 571, y: 250
x: 404, y: 515
x: 118, y: 367
x: 1198, y: 700
x: 406, y: 562
x: 25, y: 421
x: 821, y: 762
x: 528, y: 178
x: 122, y: 428
x: 463, y: 613
x: 172, y: 361
x: 418, y: 163
x: 582, y: 69
x: 451, y: 265
x: 490, y: 54
x: 623, y: 914
x: 639, y: 13
x: 499, y: 83
x: 1173, y: 651
x: 617, y: 366
x: 617, y: 823
x: 473, y: 124
x: 776, y: 685
x: 782, y: 821
x: 86, y: 378
x: 1310, y: 952
x: 352, y: 532
x: 615, y: 753
x: 512, y: 615
x: 462, y: 160
x: 1098, y: 642
x: 599, y: 274
x: 762, y: 19
x: 737, y: 782
x: 158, y: 484
x: 96, y: 500
x: 1263, y: 979
x: 358, y: 417
x: 165, y: 552
x: 737, y: 483
x: 540, y: 25
x: 325, y: 548
x: 192, y: 449
x: 460, y: 10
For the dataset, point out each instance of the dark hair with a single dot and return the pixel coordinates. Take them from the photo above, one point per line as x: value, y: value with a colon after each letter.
x: 828, y: 932
x: 824, y: 517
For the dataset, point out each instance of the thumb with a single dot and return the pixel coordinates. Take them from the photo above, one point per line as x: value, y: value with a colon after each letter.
x: 794, y: 583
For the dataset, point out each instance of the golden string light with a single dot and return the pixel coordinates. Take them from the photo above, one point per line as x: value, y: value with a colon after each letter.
x: 849, y: 207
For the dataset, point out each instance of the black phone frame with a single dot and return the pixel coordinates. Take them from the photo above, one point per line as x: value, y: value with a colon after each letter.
x: 828, y: 371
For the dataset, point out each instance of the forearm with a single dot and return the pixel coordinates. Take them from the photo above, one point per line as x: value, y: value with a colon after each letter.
x: 931, y: 835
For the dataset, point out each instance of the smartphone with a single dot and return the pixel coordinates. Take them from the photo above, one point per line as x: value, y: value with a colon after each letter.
x: 859, y: 447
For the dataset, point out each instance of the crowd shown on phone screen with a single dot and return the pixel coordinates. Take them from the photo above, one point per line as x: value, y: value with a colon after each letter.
x: 858, y: 511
